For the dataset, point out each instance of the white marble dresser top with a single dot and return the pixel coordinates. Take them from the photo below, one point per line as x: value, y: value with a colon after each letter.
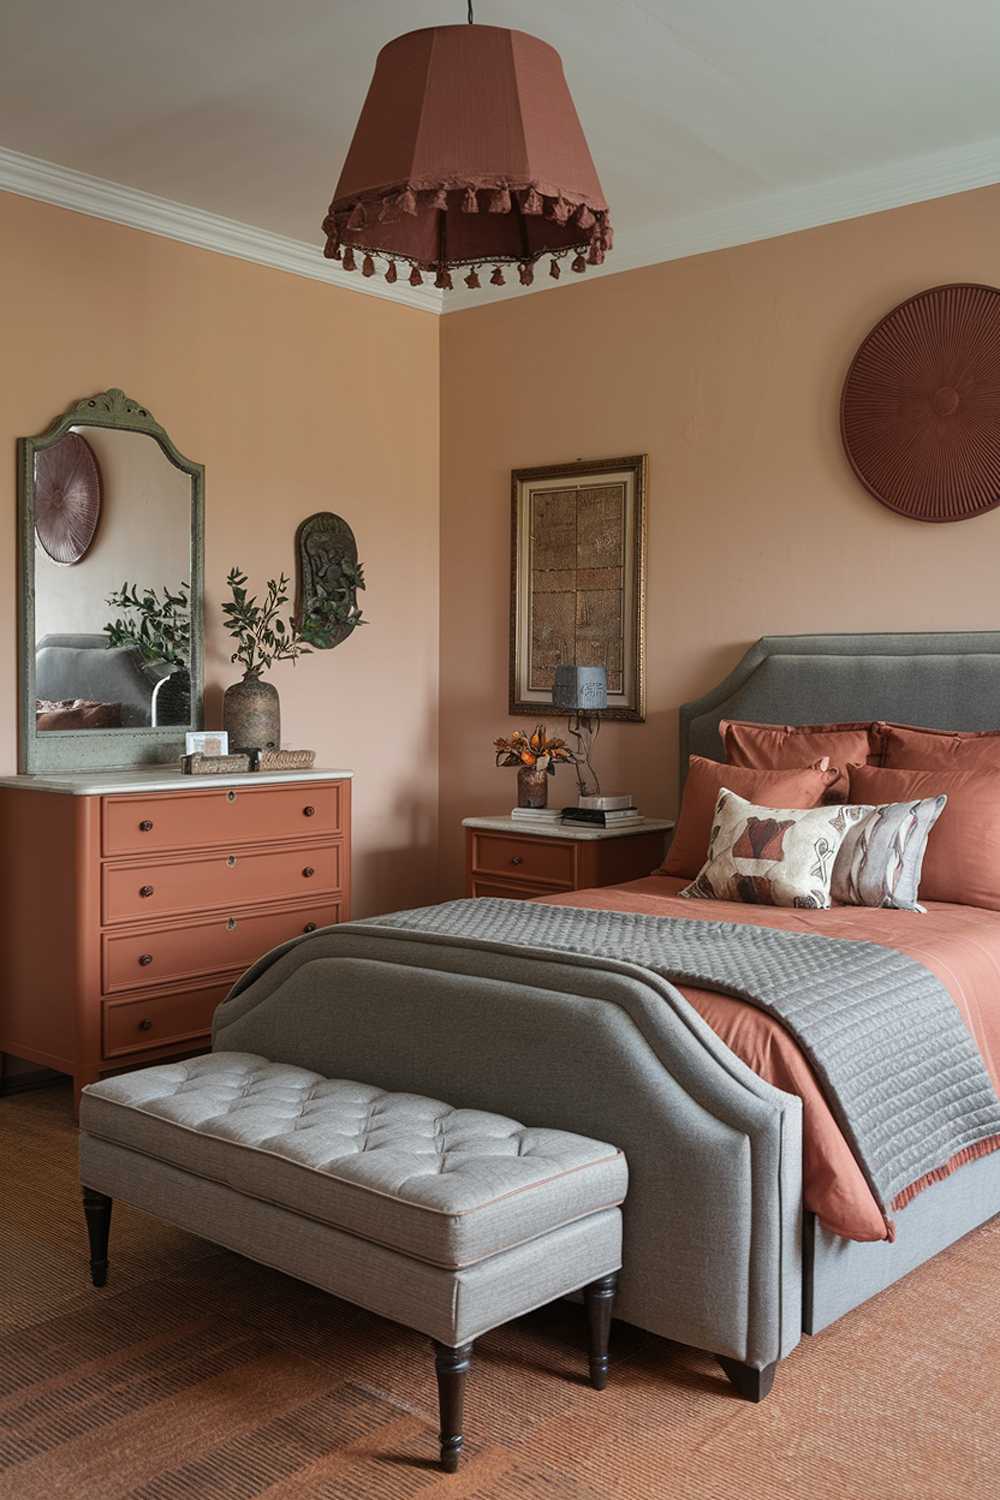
x: 156, y: 779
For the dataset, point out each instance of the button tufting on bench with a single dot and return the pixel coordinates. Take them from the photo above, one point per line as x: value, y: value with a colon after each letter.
x: 446, y: 1184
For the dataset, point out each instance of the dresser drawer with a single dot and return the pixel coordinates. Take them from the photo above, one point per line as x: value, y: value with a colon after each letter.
x: 148, y: 889
x: 220, y: 816
x: 527, y: 859
x: 135, y: 960
x: 139, y: 1025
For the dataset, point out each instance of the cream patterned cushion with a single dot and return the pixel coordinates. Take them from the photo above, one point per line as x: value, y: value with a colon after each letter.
x: 770, y: 856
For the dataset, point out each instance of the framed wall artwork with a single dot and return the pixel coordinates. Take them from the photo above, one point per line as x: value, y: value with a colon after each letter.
x: 578, y: 580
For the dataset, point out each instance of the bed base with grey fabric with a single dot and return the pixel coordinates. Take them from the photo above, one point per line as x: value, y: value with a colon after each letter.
x: 718, y: 1253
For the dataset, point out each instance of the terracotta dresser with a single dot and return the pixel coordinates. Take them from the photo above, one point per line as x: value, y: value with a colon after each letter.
x: 132, y: 900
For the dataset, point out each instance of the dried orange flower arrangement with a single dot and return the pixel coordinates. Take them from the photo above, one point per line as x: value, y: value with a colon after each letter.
x: 536, y: 756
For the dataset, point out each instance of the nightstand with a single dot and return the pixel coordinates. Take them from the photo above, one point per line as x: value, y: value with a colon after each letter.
x: 503, y: 858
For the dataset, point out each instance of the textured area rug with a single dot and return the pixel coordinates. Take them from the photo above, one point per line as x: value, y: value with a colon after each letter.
x: 196, y: 1375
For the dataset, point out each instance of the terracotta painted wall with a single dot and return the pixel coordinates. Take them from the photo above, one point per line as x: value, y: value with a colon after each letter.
x: 297, y: 397
x: 726, y: 369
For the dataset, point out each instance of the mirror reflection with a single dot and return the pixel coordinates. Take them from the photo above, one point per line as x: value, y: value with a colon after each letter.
x: 112, y: 563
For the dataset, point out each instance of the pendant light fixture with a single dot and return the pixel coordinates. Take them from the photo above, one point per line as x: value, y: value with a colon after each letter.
x: 468, y: 154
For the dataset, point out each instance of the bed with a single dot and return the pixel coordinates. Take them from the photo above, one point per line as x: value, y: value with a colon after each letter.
x: 725, y: 1250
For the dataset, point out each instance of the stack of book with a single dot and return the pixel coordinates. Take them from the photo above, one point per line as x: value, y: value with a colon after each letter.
x: 592, y: 812
x: 536, y: 815
x: 603, y: 817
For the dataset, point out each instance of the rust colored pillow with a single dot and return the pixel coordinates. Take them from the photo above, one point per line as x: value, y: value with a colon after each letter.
x: 962, y: 860
x: 911, y: 749
x: 785, y: 747
x: 805, y: 787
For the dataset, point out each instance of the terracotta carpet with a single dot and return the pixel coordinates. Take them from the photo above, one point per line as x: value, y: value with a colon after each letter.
x: 198, y: 1374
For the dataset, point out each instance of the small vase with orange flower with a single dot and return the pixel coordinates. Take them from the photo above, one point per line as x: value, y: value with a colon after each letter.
x: 536, y: 757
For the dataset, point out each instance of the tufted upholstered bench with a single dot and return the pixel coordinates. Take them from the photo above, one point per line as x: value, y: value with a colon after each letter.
x: 451, y: 1221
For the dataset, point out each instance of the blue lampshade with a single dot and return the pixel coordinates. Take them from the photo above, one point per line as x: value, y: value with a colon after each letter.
x: 580, y: 689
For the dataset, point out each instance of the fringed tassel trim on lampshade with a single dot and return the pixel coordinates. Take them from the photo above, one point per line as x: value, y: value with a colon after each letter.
x: 595, y: 240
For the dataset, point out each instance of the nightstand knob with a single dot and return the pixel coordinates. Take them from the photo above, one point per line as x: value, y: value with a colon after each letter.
x: 309, y: 927
x: 145, y: 890
x: 146, y: 1025
x: 517, y: 860
x: 146, y: 826
x: 145, y: 958
x: 308, y: 812
x: 308, y: 872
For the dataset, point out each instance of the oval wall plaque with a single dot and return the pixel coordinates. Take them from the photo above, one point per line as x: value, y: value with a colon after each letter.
x: 67, y: 498
x: 920, y: 410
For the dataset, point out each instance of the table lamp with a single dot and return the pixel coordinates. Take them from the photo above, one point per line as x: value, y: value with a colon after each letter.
x: 583, y: 692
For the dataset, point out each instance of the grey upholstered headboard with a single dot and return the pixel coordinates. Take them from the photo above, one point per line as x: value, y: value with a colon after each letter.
x: 949, y: 680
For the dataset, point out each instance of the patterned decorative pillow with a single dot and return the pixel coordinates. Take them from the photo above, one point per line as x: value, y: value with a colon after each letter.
x: 882, y: 854
x: 769, y: 856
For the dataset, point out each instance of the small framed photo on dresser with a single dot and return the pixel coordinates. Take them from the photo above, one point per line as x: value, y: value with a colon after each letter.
x: 207, y: 742
x: 578, y: 580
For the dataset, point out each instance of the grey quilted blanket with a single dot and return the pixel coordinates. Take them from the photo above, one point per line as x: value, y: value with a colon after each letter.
x: 899, y: 1068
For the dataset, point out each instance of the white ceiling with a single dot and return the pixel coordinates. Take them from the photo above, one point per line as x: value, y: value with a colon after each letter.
x: 709, y: 120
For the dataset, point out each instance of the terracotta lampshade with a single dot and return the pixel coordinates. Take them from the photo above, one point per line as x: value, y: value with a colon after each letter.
x: 468, y: 152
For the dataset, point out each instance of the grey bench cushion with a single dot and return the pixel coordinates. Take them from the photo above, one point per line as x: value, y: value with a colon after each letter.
x: 449, y: 1186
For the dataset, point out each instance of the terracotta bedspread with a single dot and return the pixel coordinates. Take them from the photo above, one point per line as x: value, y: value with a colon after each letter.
x: 960, y: 944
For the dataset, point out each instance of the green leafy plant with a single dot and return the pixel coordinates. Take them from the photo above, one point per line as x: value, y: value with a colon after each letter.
x: 159, y: 628
x: 262, y: 636
x: 333, y: 607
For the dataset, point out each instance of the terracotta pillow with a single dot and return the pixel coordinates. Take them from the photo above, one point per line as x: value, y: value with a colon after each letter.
x: 910, y: 749
x: 805, y: 787
x: 962, y: 861
x: 773, y: 747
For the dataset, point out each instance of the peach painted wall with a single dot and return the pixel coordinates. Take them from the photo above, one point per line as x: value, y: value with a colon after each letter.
x: 297, y: 397
x: 726, y: 369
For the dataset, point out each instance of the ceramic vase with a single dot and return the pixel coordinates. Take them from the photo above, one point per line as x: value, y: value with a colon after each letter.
x: 251, y: 715
x: 532, y: 787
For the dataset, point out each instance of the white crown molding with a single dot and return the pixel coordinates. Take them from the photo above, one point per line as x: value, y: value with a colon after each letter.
x: 850, y: 196
x: 30, y: 177
x: 890, y: 185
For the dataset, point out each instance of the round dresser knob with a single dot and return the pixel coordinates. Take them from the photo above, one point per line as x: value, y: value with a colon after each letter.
x: 145, y: 890
x: 230, y: 796
x: 309, y: 927
x: 145, y: 958
x: 146, y: 826
x: 231, y: 924
x: 308, y: 812
x: 231, y: 861
x: 517, y: 859
x: 308, y: 871
x: 146, y: 1025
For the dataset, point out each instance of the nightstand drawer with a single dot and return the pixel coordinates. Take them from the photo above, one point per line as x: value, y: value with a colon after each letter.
x: 528, y: 859
x: 507, y: 890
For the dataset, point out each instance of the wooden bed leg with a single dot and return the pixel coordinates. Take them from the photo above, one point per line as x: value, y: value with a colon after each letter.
x: 752, y: 1384
x: 452, y: 1366
x: 97, y: 1207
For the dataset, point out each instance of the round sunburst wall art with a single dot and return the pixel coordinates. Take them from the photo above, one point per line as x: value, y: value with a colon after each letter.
x: 920, y: 411
x: 67, y: 498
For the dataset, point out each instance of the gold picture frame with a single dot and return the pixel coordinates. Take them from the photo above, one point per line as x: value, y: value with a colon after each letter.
x: 578, y: 580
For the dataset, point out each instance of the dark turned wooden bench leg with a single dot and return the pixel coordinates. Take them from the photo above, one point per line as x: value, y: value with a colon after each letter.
x: 599, y: 1297
x: 752, y: 1384
x: 97, y: 1207
x: 452, y: 1366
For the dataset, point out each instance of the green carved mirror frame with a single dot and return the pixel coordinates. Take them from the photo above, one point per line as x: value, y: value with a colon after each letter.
x: 147, y: 736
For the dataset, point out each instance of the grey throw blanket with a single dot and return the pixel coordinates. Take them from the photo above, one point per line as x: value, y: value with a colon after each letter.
x: 900, y: 1070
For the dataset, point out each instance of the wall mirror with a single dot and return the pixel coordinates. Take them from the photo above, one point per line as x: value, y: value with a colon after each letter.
x: 110, y: 581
